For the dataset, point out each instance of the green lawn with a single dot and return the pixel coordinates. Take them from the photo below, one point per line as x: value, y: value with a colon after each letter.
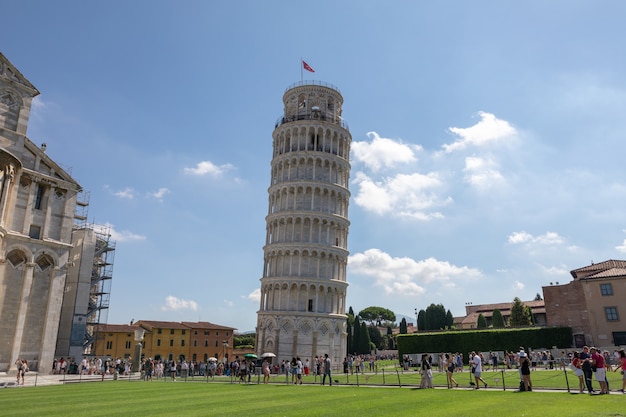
x: 503, y: 379
x: 159, y: 398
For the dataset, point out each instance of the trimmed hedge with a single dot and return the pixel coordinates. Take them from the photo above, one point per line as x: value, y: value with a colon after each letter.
x: 485, y: 340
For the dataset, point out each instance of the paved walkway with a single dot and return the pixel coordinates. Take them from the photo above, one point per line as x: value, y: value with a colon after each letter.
x: 33, y: 379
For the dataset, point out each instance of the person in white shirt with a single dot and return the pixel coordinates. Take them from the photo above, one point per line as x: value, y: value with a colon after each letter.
x: 478, y: 368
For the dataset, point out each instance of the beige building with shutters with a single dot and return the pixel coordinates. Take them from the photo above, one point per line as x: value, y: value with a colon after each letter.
x: 592, y: 304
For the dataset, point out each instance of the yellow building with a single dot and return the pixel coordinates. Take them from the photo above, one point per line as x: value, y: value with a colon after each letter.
x: 195, y: 341
x: 114, y: 341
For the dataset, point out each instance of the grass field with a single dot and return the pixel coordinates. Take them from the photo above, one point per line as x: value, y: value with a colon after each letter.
x: 159, y: 398
x: 503, y: 379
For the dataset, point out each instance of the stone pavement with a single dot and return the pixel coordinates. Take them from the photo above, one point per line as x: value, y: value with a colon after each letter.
x: 33, y: 379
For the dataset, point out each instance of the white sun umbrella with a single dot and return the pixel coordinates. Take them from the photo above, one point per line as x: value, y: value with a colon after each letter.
x: 268, y: 355
x: 212, y: 359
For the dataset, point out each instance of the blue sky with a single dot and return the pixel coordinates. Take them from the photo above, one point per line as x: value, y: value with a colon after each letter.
x: 487, y: 154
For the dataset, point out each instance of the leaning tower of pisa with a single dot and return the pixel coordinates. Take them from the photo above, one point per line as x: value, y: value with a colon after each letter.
x: 303, y: 288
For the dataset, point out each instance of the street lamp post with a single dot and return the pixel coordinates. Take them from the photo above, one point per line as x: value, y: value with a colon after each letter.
x: 416, y: 320
x: 136, y: 363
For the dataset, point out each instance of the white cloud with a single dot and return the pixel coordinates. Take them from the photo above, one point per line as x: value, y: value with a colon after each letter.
x: 549, y: 238
x: 173, y: 304
x: 160, y: 193
x: 209, y: 168
x: 37, y: 104
x: 405, y: 276
x: 489, y: 129
x: 518, y: 285
x: 554, y: 270
x: 482, y: 172
x: 622, y: 247
x: 118, y: 236
x: 383, y: 152
x: 413, y: 195
x: 255, y: 295
x: 127, y: 193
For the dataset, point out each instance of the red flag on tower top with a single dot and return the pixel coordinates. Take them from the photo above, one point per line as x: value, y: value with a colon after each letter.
x: 307, y: 67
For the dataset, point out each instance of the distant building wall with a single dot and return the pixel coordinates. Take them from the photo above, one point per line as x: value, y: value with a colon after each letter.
x: 592, y: 304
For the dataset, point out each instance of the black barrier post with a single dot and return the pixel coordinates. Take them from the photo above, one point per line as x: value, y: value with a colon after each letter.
x: 398, y: 373
x: 566, y: 380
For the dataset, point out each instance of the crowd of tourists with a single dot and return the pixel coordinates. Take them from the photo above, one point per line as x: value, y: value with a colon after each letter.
x: 588, y: 364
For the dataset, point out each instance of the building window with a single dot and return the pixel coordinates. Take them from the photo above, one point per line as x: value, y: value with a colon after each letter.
x: 611, y: 313
x: 195, y: 333
x: 606, y: 289
x: 310, y: 305
x: 182, y: 342
x: 158, y: 342
x: 39, y: 197
x: 128, y: 344
x: 171, y: 331
x: 619, y: 338
x: 183, y: 331
x: 109, y: 345
x: 217, y: 333
x: 195, y: 343
x: 159, y: 331
x: 206, y: 332
x: 216, y: 343
x: 171, y: 342
x: 206, y: 343
x: 34, y: 232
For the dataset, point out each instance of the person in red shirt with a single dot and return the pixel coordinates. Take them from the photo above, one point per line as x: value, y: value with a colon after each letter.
x: 597, y: 360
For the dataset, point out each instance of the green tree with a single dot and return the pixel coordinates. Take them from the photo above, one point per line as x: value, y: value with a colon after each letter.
x: 481, y: 323
x: 435, y: 317
x: 519, y: 314
x: 375, y: 336
x: 356, y: 335
x: 403, y: 326
x: 350, y: 331
x: 421, y: 320
x: 364, y: 340
x: 376, y: 315
x: 390, y: 338
x: 529, y: 315
x: 244, y: 340
x: 497, y: 320
x: 449, y: 320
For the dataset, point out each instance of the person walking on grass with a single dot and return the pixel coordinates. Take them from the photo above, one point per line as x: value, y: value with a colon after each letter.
x: 525, y: 371
x: 327, y: 364
x: 585, y: 358
x: 426, y: 372
x: 578, y: 371
x: 266, y: 371
x: 622, y: 366
x: 450, y: 371
x: 477, y: 362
